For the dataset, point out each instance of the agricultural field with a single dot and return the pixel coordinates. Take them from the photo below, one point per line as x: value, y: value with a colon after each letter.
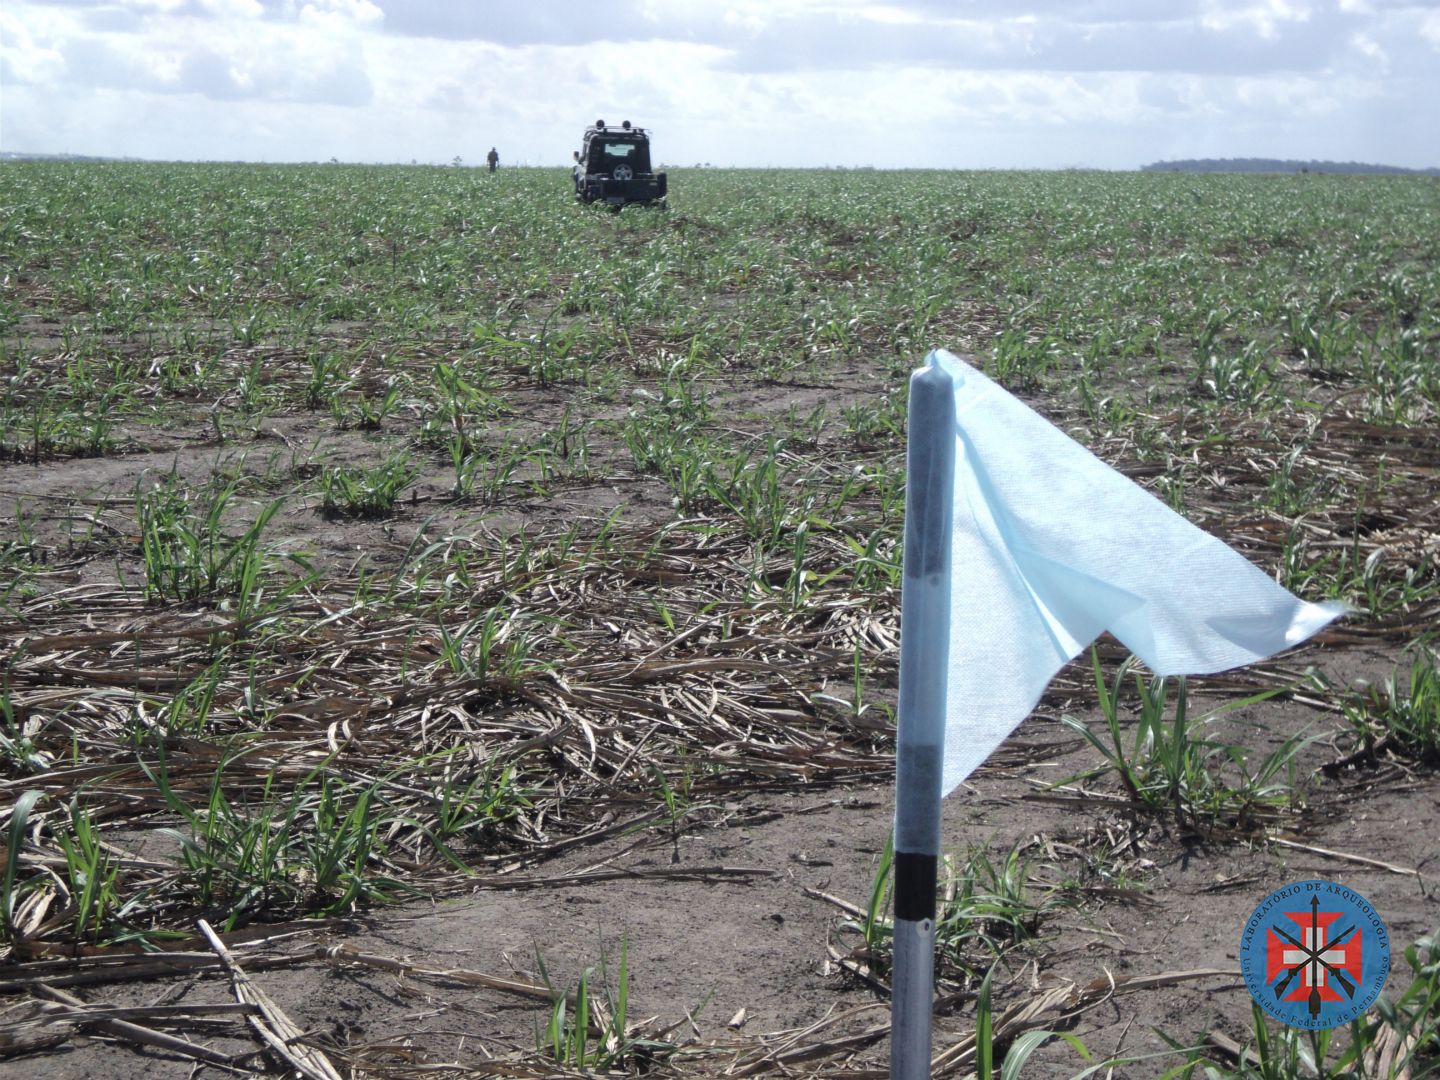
x: 450, y: 631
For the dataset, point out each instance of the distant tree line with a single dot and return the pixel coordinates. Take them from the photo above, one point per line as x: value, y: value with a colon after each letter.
x: 1275, y: 165
x: 20, y: 155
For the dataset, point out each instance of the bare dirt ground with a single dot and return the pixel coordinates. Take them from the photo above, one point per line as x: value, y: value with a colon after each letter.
x: 732, y: 922
x: 735, y: 950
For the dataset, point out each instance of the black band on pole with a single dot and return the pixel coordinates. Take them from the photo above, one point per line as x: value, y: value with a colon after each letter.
x: 915, y: 877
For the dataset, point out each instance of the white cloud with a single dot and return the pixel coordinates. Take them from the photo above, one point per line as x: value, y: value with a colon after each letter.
x: 1265, y: 17
x: 356, y: 13
x: 887, y: 82
x: 1370, y: 49
x: 233, y: 9
x: 147, y: 6
x: 1297, y: 97
x: 29, y: 51
x: 1430, y: 28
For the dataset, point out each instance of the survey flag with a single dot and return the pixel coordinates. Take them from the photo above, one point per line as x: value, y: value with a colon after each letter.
x: 1050, y: 546
x: 1021, y: 548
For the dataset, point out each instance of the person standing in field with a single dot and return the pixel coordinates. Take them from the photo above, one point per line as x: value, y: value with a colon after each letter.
x: 492, y: 159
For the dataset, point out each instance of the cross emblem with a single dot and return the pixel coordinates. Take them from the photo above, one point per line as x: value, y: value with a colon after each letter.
x: 1309, y: 967
x: 1317, y: 966
x: 1314, y: 948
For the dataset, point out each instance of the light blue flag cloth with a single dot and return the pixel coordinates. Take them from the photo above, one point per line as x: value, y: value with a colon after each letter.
x: 1050, y: 547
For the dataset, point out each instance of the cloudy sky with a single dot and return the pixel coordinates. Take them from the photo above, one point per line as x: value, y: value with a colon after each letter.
x: 947, y: 83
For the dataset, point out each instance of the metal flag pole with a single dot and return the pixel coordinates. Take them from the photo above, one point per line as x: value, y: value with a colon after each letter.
x: 920, y: 739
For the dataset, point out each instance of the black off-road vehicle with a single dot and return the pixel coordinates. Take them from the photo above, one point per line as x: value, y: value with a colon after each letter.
x: 613, y: 166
